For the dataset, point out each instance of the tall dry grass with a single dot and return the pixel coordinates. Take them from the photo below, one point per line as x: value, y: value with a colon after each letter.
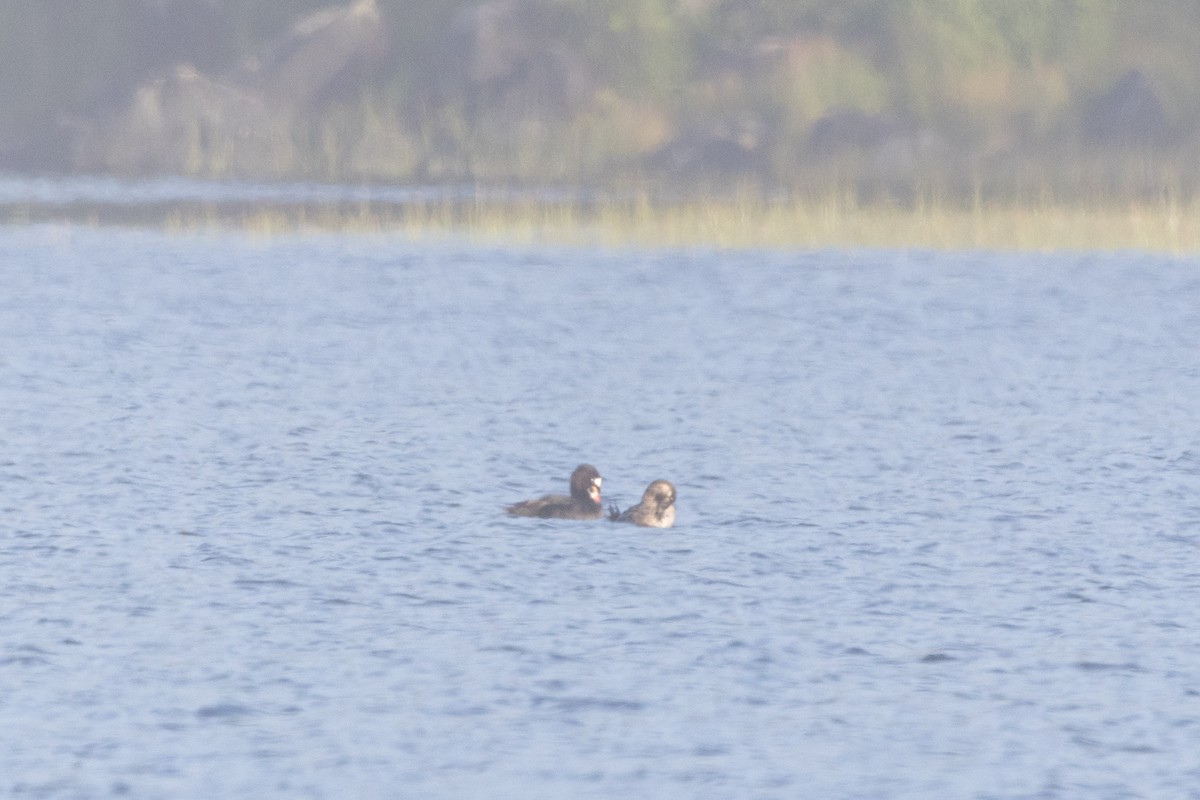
x: 749, y: 222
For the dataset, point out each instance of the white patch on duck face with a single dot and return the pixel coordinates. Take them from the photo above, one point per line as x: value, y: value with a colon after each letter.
x: 596, y: 480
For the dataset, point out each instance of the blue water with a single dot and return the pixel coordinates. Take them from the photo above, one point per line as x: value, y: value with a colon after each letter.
x: 939, y: 521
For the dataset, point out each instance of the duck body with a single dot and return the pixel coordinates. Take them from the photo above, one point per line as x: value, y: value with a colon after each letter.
x: 582, y: 503
x: 657, y: 509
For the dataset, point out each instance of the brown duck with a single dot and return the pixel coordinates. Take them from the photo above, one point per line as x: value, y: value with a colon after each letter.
x: 584, y: 502
x: 657, y: 509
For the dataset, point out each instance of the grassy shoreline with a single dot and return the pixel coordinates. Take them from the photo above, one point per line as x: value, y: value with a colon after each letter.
x: 1163, y: 226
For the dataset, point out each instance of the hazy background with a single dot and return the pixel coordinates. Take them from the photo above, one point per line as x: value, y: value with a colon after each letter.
x: 1076, y: 97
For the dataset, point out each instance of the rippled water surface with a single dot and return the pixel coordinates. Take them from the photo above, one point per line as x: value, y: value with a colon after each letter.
x: 938, y: 530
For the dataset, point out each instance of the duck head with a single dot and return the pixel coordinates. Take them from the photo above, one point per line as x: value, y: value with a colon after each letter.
x: 585, y: 483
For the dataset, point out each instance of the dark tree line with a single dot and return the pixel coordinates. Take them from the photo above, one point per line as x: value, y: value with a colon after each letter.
x: 1100, y: 93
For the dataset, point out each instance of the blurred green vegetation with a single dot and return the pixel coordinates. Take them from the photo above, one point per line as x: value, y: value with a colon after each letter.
x: 887, y: 98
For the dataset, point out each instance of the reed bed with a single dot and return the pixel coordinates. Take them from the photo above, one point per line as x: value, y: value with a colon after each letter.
x: 740, y: 222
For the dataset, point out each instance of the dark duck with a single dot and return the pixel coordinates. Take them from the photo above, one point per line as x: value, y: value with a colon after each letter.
x: 584, y: 502
x: 657, y: 509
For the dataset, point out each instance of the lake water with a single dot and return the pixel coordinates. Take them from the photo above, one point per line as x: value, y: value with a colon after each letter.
x: 939, y: 521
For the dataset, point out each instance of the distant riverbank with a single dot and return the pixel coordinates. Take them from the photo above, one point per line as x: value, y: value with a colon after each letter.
x: 1086, y: 99
x: 579, y: 217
